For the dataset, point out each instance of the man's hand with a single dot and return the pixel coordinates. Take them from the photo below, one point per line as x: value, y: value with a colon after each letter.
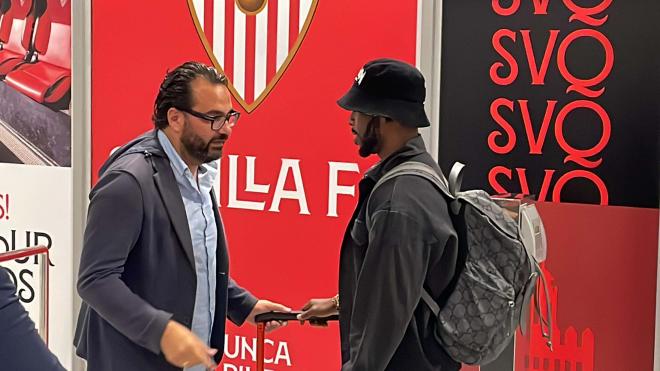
x: 183, y: 349
x: 264, y: 306
x: 318, y: 308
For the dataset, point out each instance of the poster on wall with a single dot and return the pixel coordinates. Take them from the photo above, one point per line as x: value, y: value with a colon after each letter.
x: 36, y: 211
x: 557, y: 99
x: 289, y: 170
x: 35, y: 155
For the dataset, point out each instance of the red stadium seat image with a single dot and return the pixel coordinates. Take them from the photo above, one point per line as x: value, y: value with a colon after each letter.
x: 48, y: 79
x: 16, y: 31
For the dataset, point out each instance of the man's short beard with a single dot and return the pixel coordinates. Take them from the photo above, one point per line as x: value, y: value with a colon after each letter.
x: 370, y: 143
x: 196, y: 147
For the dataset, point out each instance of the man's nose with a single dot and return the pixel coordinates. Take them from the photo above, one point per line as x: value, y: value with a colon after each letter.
x: 227, y: 129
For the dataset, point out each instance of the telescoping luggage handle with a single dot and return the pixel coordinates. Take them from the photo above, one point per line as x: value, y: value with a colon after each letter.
x: 263, y: 318
x: 44, y: 263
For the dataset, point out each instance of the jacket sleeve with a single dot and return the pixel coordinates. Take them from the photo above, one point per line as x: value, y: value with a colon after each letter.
x: 240, y: 303
x: 388, y: 290
x: 21, y: 348
x: 114, y: 223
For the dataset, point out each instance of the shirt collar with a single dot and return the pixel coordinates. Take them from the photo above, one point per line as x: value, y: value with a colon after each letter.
x: 207, y: 173
x: 176, y: 161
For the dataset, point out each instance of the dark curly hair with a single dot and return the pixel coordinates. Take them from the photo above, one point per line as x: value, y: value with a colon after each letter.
x: 175, y: 89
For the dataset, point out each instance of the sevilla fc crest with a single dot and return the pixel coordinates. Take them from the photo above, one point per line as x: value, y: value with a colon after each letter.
x: 252, y: 41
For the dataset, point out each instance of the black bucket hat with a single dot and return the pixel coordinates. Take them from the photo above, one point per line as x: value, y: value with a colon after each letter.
x: 391, y: 88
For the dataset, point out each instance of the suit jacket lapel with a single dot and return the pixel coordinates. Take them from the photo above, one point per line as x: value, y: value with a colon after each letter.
x: 169, y: 192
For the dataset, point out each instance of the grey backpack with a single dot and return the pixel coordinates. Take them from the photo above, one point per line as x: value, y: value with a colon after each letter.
x: 490, y: 295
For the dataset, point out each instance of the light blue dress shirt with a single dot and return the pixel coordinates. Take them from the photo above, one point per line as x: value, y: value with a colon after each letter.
x: 203, y: 233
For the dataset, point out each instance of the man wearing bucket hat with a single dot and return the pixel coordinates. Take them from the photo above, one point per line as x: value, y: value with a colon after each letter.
x: 398, y: 242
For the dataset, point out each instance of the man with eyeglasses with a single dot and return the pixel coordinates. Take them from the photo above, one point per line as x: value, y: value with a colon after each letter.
x: 154, y: 272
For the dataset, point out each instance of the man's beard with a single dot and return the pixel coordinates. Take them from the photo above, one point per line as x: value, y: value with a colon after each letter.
x: 370, y: 143
x: 195, y: 146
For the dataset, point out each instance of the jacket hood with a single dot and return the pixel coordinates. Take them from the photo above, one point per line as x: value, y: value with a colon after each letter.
x: 146, y: 143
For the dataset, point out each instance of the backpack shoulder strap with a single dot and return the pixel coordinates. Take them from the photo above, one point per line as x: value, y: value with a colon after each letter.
x: 419, y: 169
x: 411, y: 168
x: 430, y: 302
x: 450, y: 188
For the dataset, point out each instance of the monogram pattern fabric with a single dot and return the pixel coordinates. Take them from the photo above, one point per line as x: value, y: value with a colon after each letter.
x: 481, y: 314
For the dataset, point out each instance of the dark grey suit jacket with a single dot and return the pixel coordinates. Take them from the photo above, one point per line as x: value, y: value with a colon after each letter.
x: 137, y: 267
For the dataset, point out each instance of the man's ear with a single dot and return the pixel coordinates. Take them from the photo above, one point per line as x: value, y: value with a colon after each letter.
x: 175, y: 119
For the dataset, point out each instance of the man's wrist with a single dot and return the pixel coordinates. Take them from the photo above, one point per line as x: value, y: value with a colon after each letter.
x: 335, y: 301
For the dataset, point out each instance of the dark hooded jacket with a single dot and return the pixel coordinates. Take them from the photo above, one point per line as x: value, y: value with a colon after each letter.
x: 137, y: 269
x: 407, y: 243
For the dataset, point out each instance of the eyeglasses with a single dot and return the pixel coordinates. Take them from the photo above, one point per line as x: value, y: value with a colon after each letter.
x: 217, y: 122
